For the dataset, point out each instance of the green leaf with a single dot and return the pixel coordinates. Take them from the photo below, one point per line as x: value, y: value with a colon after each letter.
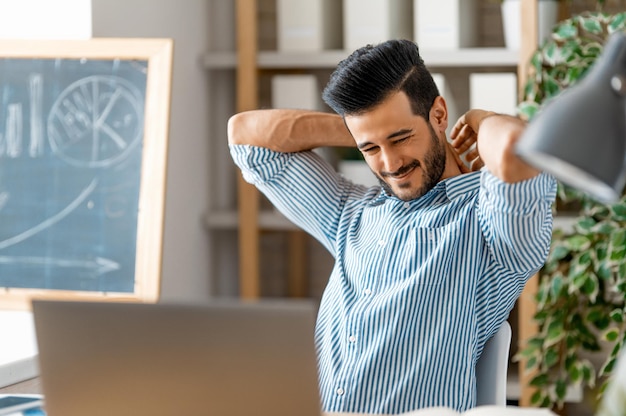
x: 588, y: 373
x: 528, y: 109
x: 540, y: 380
x: 551, y: 358
x: 618, y: 238
x: 577, y: 242
x: 574, y: 374
x: 578, y: 281
x: 592, y: 26
x: 536, y: 398
x: 559, y: 252
x: 601, y: 251
x: 618, y: 22
x: 611, y: 335
x: 561, y: 389
x: 585, y: 224
x: 552, y: 87
x: 618, y: 253
x: 591, y: 287
x: 555, y: 332
x: 594, y: 315
x: 556, y: 286
x: 565, y: 31
x: 619, y: 210
x: 607, y: 368
x: 531, y: 363
x: 541, y: 316
x: 535, y: 343
x: 605, y: 227
x: 604, y: 271
x: 617, y: 315
x: 603, y: 322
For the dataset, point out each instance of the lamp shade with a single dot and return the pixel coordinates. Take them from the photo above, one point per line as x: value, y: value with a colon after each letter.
x: 580, y: 136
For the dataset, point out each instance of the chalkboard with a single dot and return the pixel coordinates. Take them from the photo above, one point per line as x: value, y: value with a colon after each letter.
x: 83, y: 143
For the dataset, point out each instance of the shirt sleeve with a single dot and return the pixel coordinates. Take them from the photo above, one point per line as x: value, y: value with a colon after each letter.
x: 302, y: 186
x: 517, y: 220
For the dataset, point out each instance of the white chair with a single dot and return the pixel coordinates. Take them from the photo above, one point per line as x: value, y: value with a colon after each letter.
x: 492, y: 367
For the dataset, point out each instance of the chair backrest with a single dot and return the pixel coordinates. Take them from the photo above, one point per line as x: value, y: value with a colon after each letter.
x: 492, y: 367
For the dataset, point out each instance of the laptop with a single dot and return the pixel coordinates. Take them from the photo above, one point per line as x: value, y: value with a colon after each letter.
x: 223, y: 358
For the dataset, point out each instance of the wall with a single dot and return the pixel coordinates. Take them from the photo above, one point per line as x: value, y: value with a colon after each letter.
x: 186, y: 260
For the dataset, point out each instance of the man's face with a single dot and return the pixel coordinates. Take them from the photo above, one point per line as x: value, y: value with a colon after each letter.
x: 402, y: 149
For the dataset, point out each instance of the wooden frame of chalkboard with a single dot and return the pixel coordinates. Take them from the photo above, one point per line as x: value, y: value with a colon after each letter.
x: 84, y: 128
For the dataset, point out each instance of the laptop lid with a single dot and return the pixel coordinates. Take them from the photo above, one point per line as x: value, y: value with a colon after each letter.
x: 223, y: 358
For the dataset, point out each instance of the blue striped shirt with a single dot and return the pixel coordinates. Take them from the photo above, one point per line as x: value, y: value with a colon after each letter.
x: 417, y: 287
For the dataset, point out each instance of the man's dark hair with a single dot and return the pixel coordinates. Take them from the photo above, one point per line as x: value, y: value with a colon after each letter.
x: 372, y: 73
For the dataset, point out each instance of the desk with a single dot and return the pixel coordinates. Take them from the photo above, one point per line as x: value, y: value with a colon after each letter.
x: 33, y: 386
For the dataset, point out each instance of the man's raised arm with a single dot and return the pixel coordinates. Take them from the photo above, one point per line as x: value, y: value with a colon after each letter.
x: 288, y: 130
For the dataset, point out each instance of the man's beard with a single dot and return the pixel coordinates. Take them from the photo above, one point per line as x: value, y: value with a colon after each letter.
x: 432, y: 169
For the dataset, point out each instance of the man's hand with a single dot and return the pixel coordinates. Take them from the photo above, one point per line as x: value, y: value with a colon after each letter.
x: 487, y: 138
x: 464, y: 138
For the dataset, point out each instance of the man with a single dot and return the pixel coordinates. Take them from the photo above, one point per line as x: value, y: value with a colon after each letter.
x: 429, y: 264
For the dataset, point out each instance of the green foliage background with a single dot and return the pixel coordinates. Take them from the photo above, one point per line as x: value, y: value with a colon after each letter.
x: 582, y: 292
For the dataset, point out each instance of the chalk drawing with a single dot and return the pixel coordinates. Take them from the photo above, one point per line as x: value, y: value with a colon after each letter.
x: 96, y: 121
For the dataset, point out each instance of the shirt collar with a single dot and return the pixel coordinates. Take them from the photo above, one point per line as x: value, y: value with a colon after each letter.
x: 459, y: 185
x: 453, y: 187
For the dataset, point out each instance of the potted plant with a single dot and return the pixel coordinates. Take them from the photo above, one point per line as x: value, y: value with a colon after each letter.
x: 547, y: 14
x: 582, y: 290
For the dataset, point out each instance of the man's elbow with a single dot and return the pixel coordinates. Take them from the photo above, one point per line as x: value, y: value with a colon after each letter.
x: 234, y: 129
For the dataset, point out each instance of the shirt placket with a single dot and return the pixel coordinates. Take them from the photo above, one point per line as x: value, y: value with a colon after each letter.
x: 355, y: 334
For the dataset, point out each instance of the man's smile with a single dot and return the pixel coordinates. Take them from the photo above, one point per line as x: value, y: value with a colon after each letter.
x: 403, y: 172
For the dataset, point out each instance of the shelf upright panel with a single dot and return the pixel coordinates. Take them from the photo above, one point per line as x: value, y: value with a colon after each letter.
x: 247, y: 99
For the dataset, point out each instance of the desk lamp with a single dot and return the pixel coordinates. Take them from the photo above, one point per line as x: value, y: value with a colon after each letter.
x: 580, y: 136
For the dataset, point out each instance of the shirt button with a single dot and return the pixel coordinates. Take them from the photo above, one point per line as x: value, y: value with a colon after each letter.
x: 381, y: 242
x: 339, y: 391
x: 352, y: 338
x: 407, y: 205
x: 367, y: 292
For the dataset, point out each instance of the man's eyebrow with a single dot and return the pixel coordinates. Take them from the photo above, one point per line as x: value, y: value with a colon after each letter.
x: 401, y: 132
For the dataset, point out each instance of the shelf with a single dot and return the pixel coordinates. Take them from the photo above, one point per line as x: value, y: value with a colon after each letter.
x: 268, y: 221
x: 461, y: 58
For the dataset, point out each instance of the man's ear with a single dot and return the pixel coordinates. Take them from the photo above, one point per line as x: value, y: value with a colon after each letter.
x: 439, y: 115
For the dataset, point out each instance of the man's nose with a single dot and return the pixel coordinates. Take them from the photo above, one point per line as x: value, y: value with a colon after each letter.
x: 391, y: 161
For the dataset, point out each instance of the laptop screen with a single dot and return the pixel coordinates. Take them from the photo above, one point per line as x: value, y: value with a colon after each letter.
x: 225, y: 358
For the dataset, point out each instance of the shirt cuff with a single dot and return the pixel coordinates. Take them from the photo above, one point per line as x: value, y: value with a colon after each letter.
x: 258, y: 164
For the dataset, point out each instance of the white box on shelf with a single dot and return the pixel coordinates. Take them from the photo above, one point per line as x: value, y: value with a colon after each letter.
x: 308, y: 25
x: 374, y: 21
x: 295, y: 91
x: 445, y: 24
x: 494, y: 92
x: 45, y: 19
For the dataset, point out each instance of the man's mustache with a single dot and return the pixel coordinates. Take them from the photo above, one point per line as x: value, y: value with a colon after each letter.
x: 403, y: 169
